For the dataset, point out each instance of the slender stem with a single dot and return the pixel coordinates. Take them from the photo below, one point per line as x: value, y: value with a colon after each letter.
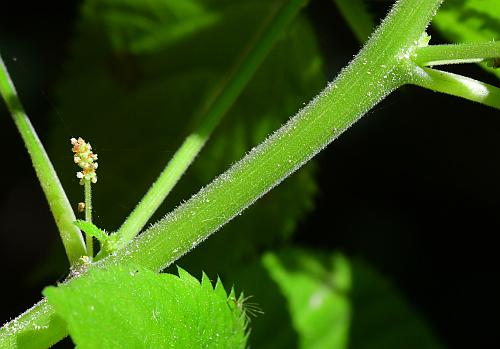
x: 456, y: 85
x: 472, y: 52
x: 54, y: 192
x: 216, y: 107
x: 88, y: 215
x: 174, y: 170
x: 371, y: 76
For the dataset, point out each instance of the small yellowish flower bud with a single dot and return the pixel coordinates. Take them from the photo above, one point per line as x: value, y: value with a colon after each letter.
x: 84, y: 157
x: 81, y: 206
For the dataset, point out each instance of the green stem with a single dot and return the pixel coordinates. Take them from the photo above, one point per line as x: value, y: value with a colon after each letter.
x: 222, y: 100
x: 457, y: 53
x: 456, y: 85
x: 38, y: 327
x: 371, y: 76
x: 88, y: 215
x: 54, y: 192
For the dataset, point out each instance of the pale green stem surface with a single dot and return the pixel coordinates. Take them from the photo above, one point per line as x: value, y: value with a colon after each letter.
x: 456, y: 85
x: 88, y: 215
x: 217, y: 106
x: 472, y: 52
x: 38, y: 327
x: 58, y: 201
x: 370, y: 77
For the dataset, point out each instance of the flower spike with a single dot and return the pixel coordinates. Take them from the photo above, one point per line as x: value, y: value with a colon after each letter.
x: 85, y: 158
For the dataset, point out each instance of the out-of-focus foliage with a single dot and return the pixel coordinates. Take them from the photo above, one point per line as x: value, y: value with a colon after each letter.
x: 138, y: 74
x: 470, y: 21
x: 331, y: 302
x: 126, y: 307
x: 358, y: 17
x: 316, y: 290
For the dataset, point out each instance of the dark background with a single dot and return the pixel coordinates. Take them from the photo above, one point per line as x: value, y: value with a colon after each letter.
x: 413, y: 188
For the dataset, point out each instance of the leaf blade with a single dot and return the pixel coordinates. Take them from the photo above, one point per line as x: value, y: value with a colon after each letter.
x: 153, y: 311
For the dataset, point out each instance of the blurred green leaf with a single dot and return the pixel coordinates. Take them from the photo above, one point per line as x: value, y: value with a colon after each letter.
x: 332, y: 302
x: 469, y: 21
x: 143, y: 69
x: 139, y: 26
x: 127, y: 307
x: 316, y: 288
x: 358, y: 17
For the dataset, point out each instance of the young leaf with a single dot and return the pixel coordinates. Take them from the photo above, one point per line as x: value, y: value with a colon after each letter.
x: 470, y: 21
x: 147, y: 75
x: 91, y: 230
x: 129, y: 307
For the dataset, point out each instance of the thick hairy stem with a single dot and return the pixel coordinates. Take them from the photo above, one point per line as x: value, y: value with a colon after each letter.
x: 371, y: 76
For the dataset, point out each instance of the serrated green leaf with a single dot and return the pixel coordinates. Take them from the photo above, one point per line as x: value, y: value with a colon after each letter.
x: 469, y: 21
x: 149, y: 93
x: 129, y: 307
x: 272, y: 329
